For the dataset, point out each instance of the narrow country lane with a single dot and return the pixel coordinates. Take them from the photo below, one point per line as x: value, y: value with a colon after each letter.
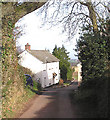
x: 53, y: 103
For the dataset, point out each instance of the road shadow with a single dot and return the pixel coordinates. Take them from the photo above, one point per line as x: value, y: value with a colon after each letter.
x: 52, y: 109
x: 53, y: 103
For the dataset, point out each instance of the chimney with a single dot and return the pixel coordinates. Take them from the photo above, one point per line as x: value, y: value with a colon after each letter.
x: 27, y: 46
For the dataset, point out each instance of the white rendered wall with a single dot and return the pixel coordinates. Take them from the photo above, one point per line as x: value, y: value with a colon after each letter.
x: 47, y: 74
x: 30, y: 62
x: 79, y: 73
x: 42, y: 72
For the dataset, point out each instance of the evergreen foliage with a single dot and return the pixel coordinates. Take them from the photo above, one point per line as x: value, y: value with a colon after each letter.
x: 13, y: 91
x: 93, y: 54
x: 62, y: 55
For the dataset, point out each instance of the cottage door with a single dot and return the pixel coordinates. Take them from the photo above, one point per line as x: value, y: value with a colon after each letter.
x: 54, y: 75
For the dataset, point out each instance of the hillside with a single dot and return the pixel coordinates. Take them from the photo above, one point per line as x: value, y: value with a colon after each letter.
x: 73, y: 62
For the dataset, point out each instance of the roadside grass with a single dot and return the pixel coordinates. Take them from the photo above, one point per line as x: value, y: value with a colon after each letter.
x: 22, y: 101
x: 36, y: 88
x: 16, y: 105
x: 11, y: 111
x: 29, y: 94
x: 67, y: 82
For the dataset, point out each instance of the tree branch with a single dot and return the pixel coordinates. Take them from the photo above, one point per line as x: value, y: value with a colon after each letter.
x: 84, y: 3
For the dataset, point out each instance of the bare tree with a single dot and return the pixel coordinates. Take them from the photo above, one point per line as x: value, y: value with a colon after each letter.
x: 75, y: 13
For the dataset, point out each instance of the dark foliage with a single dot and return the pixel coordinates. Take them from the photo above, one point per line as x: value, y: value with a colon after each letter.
x: 62, y: 55
x: 93, y: 54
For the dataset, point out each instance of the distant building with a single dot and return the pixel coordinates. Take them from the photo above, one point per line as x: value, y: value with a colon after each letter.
x: 74, y: 62
x: 77, y: 72
x: 44, y: 66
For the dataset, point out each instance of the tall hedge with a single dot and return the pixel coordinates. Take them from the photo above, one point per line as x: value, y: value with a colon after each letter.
x: 94, y: 56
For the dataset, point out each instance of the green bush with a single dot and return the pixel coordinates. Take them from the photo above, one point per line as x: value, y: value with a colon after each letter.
x: 69, y: 74
x: 36, y: 87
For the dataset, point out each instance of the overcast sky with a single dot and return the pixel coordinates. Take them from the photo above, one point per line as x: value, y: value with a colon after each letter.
x: 41, y: 38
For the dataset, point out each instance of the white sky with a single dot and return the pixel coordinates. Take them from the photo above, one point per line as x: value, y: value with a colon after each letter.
x: 40, y: 37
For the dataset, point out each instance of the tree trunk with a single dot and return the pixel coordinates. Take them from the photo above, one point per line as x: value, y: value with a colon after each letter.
x: 92, y: 16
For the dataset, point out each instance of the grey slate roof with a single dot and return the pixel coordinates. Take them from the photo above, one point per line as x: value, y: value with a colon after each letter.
x: 44, y: 56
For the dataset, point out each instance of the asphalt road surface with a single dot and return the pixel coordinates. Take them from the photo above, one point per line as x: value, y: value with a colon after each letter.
x: 53, y: 103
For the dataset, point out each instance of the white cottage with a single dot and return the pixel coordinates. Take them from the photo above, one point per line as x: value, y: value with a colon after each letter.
x: 43, y: 65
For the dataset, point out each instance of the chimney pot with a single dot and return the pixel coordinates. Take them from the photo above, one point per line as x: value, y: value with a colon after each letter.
x: 27, y: 46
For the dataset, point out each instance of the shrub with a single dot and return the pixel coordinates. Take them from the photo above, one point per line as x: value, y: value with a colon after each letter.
x: 36, y: 86
x: 69, y: 74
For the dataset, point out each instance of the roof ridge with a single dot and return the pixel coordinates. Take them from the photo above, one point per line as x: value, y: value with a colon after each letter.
x: 42, y: 54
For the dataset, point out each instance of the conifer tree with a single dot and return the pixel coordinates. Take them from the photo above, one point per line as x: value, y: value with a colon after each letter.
x: 62, y: 54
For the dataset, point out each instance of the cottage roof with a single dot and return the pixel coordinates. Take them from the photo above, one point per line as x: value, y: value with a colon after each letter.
x: 44, y: 56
